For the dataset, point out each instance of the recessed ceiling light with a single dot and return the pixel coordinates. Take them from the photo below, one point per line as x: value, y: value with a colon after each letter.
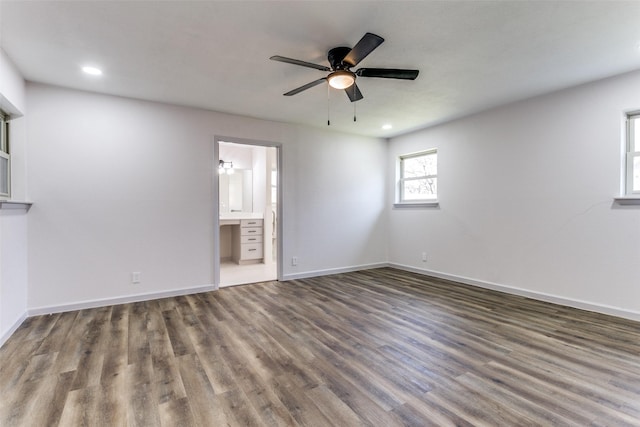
x: 92, y: 70
x: 386, y: 127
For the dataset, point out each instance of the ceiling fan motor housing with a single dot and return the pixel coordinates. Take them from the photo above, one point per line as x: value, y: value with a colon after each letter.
x: 335, y: 57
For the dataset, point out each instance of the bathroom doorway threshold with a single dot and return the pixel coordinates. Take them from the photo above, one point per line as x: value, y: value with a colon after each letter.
x: 232, y: 274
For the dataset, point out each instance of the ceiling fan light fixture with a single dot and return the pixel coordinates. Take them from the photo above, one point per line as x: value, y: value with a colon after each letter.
x: 341, y: 79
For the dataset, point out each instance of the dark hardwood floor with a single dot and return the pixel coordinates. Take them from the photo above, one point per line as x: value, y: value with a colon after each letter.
x: 379, y: 348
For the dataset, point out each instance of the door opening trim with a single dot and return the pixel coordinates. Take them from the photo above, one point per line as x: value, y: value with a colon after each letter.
x: 216, y: 201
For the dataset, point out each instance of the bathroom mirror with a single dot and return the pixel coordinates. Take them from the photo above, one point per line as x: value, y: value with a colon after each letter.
x: 236, y: 191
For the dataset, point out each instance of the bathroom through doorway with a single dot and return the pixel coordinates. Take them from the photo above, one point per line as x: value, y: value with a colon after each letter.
x: 248, y: 205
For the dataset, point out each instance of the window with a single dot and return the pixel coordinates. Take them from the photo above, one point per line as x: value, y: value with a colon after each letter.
x: 5, y: 159
x: 633, y: 155
x: 418, y: 181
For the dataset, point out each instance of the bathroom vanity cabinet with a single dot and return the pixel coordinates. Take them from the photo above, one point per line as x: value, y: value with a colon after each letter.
x: 247, y: 241
x: 242, y: 238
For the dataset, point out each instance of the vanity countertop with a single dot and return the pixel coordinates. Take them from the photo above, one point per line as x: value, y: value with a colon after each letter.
x: 241, y: 215
x: 234, y: 218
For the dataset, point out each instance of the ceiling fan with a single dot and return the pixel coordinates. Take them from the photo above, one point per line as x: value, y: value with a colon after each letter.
x: 342, y: 59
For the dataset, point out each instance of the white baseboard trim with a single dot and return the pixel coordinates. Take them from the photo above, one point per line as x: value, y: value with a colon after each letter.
x: 12, y: 329
x: 583, y: 305
x: 119, y: 300
x: 541, y: 296
x: 329, y: 271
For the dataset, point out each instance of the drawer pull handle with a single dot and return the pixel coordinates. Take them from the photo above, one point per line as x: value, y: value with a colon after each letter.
x: 251, y: 239
x: 251, y: 250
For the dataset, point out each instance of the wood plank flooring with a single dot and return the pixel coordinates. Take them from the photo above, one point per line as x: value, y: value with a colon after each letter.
x: 377, y: 348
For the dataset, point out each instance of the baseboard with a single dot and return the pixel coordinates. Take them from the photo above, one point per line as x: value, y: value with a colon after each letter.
x: 119, y: 300
x: 555, y: 299
x: 329, y: 271
x: 583, y: 305
x: 12, y: 329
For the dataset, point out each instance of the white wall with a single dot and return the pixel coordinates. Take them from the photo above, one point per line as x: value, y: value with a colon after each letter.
x: 13, y: 223
x: 12, y: 101
x: 334, y: 203
x: 13, y: 270
x: 12, y: 97
x: 526, y: 200
x: 121, y: 185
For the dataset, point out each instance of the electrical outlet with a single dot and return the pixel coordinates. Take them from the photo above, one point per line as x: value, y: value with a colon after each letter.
x: 135, y: 277
x: 294, y: 261
x: 424, y: 257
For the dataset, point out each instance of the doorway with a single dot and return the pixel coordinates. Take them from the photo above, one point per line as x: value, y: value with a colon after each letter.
x: 249, y: 209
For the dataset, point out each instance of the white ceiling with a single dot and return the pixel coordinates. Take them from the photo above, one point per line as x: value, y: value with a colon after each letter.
x: 472, y: 55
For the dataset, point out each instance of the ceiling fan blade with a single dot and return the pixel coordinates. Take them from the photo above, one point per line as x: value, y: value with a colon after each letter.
x: 305, y: 87
x: 364, y: 47
x: 298, y: 62
x: 353, y: 92
x: 388, y: 73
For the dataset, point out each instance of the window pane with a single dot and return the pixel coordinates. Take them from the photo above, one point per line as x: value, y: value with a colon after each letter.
x: 414, y: 167
x: 636, y: 134
x: 420, y: 189
x: 636, y: 174
x: 3, y: 135
x: 4, y: 176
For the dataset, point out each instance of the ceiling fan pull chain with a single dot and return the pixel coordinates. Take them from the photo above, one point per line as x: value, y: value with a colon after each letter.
x: 328, y: 107
x: 354, y: 104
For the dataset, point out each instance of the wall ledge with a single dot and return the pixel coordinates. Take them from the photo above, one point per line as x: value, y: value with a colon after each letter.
x: 15, y: 204
x: 417, y: 205
x: 627, y: 200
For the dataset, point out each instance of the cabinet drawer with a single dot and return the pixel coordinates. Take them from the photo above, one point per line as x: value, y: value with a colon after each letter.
x: 251, y: 223
x: 251, y: 239
x: 251, y: 251
x: 251, y: 231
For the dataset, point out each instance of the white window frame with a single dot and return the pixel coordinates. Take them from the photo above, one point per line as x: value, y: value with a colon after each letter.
x: 5, y: 155
x: 400, y: 199
x: 632, y: 152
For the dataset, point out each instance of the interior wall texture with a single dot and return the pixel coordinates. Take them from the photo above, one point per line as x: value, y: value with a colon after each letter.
x: 13, y: 223
x: 12, y: 86
x: 121, y: 185
x: 526, y: 199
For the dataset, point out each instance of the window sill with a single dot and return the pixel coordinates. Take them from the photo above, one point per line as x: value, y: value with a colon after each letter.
x: 13, y: 204
x: 409, y: 205
x: 627, y: 200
